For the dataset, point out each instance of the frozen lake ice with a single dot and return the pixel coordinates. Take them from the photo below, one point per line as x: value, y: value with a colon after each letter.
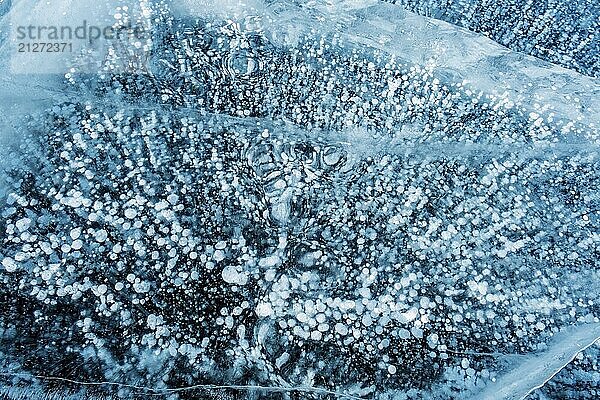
x: 290, y: 200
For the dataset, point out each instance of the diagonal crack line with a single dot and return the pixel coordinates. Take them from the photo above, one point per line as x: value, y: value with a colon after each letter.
x: 560, y: 368
x: 534, y: 372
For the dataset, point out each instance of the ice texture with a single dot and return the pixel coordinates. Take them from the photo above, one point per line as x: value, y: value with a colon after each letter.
x: 331, y: 199
x: 563, y: 32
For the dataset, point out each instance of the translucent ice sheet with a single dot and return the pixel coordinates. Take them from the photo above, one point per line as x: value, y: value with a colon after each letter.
x: 297, y: 200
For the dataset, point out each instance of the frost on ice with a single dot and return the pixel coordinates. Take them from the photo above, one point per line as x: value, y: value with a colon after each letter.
x: 306, y: 200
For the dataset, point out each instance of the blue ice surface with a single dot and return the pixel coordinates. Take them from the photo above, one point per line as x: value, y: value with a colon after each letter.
x: 331, y: 200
